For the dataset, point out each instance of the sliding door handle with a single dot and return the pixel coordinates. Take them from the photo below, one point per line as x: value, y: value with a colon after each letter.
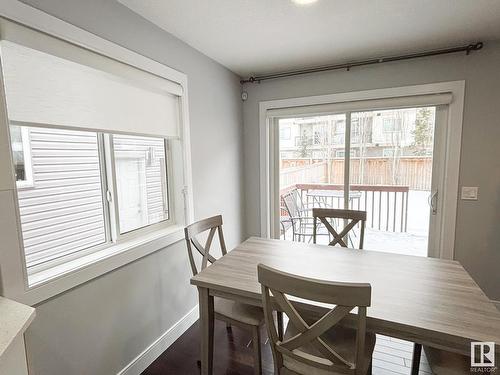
x: 433, y: 199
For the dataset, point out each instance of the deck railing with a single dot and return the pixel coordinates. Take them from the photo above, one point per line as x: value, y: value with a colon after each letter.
x: 386, y: 205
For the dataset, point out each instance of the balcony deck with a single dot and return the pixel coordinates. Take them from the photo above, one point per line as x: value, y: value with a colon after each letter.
x: 392, y: 226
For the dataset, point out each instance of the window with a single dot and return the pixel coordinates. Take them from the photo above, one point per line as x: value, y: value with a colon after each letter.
x: 318, y: 137
x: 391, y: 124
x: 66, y: 209
x: 285, y: 133
x: 303, y: 141
x: 339, y: 132
x: 355, y: 130
x: 141, y: 181
x: 63, y: 211
x: 21, y: 156
x: 96, y: 132
x: 388, y: 152
x: 341, y: 153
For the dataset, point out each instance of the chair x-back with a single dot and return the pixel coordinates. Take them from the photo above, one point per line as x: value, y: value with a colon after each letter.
x: 326, y: 214
x: 214, y: 224
x: 232, y: 312
x: 321, y: 346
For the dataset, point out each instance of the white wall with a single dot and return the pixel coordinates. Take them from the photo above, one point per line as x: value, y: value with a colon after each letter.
x: 101, y: 326
x: 477, y: 234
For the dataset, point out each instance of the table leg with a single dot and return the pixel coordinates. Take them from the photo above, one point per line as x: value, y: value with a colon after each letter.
x: 415, y: 362
x: 206, y: 305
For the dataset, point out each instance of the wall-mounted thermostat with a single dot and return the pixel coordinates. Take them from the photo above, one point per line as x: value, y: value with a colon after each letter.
x: 469, y: 193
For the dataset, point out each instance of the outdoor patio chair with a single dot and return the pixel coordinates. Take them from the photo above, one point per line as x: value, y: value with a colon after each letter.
x: 285, y: 222
x: 299, y: 214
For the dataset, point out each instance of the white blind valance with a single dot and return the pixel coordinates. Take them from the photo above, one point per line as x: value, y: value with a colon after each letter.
x: 363, y: 105
x: 68, y: 86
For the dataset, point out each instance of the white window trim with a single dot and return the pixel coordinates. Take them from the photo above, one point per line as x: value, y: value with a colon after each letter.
x: 452, y: 151
x: 13, y: 275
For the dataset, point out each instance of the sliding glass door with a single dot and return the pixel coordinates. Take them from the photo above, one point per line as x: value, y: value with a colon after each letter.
x: 378, y: 160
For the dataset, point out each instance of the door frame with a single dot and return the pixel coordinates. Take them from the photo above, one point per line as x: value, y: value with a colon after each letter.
x: 445, y: 234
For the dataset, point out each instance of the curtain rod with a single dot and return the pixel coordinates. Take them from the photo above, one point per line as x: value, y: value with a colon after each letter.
x: 467, y: 49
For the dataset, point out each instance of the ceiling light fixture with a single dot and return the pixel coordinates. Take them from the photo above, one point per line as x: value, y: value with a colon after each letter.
x: 304, y: 2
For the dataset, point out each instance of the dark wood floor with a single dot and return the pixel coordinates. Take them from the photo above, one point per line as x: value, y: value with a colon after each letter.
x: 233, y: 355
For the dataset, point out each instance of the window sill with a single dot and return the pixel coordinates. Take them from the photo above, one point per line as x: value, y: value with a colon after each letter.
x: 48, y: 283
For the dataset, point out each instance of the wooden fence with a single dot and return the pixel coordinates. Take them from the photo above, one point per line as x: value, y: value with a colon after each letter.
x: 313, y: 173
x: 414, y: 172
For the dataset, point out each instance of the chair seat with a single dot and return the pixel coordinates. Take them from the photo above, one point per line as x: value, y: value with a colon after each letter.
x: 340, y: 339
x: 240, y: 312
x: 443, y: 362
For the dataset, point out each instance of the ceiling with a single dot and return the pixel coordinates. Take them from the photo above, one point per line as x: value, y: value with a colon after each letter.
x: 263, y: 36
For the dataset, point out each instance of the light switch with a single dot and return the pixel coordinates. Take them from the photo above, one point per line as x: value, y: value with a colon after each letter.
x: 469, y: 193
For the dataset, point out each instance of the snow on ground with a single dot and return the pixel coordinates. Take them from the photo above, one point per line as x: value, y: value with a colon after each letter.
x: 412, y: 242
x: 400, y: 243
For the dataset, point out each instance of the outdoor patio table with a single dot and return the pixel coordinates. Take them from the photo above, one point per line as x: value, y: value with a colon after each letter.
x: 321, y: 197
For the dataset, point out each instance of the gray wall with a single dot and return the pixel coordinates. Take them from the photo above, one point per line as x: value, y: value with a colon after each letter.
x: 99, y: 327
x: 477, y: 244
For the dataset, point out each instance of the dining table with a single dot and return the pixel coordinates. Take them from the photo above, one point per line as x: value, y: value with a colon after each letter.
x: 428, y: 301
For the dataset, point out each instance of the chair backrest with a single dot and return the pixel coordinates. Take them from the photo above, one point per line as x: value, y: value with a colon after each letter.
x: 214, y: 224
x: 323, y: 214
x: 291, y: 200
x: 276, y: 285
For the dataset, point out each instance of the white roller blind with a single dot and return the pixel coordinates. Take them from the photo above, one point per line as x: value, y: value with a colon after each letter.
x: 68, y: 86
x: 363, y: 105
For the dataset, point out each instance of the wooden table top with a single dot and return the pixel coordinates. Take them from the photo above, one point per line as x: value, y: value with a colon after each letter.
x: 429, y: 301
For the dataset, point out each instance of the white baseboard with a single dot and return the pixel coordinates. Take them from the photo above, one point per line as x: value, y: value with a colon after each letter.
x: 143, y: 360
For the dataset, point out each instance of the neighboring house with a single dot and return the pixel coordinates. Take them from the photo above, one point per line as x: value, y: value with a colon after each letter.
x: 382, y: 134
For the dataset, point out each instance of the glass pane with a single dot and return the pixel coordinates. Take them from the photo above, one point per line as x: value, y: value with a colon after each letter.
x: 390, y: 176
x: 62, y: 212
x: 141, y: 181
x: 16, y: 139
x: 311, y: 170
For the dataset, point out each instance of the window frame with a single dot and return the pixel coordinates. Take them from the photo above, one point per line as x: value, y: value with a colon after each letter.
x: 60, y: 279
x: 451, y: 116
x: 113, y: 205
x: 107, y: 167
